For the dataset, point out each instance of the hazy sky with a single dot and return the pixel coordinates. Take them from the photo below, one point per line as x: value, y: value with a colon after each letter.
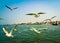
x: 50, y: 7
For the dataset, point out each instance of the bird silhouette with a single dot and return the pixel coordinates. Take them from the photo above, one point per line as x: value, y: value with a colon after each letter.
x: 9, y: 34
x: 10, y: 8
x: 53, y: 17
x: 47, y: 20
x: 50, y: 18
x: 36, y: 14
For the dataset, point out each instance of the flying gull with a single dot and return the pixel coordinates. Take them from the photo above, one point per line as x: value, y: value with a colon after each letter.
x: 10, y: 7
x: 50, y: 18
x: 36, y: 14
x: 35, y: 30
x: 9, y: 34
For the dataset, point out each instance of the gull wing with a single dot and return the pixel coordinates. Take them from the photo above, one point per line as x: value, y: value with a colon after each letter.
x: 41, y: 13
x: 15, y: 8
x: 31, y: 14
x: 35, y: 30
x: 46, y: 19
x: 13, y: 29
x: 8, y: 7
x: 53, y: 17
x: 5, y: 30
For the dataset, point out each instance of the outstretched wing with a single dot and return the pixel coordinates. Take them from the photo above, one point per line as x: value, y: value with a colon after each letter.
x: 30, y: 14
x: 41, y: 13
x: 35, y: 30
x: 53, y: 17
x: 5, y: 30
x: 8, y: 7
x: 15, y: 8
x: 47, y: 19
x: 13, y: 29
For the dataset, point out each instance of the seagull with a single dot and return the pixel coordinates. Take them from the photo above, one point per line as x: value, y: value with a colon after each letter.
x: 50, y: 18
x: 9, y: 34
x: 36, y: 14
x: 10, y: 7
x: 47, y: 20
x: 35, y: 30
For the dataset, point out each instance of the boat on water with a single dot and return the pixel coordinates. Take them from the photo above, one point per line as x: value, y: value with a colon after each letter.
x: 55, y: 23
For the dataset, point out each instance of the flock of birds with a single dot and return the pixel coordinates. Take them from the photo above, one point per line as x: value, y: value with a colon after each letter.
x: 10, y: 34
x: 32, y: 14
x: 35, y: 15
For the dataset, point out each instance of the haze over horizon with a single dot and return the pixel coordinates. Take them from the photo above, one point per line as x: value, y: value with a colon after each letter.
x: 50, y: 7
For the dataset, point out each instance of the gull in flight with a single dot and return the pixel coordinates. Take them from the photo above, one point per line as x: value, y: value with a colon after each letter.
x: 10, y: 7
x: 9, y: 34
x: 36, y: 14
x: 35, y: 30
x: 50, y: 18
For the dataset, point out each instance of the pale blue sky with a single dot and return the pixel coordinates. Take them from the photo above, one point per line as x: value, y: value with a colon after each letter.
x: 50, y: 7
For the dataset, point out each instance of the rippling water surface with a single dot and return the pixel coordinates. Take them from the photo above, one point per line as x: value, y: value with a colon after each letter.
x: 24, y: 34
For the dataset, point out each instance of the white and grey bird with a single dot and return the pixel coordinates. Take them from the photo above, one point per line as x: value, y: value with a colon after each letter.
x: 36, y: 14
x: 9, y: 34
x: 35, y: 30
x: 10, y: 8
